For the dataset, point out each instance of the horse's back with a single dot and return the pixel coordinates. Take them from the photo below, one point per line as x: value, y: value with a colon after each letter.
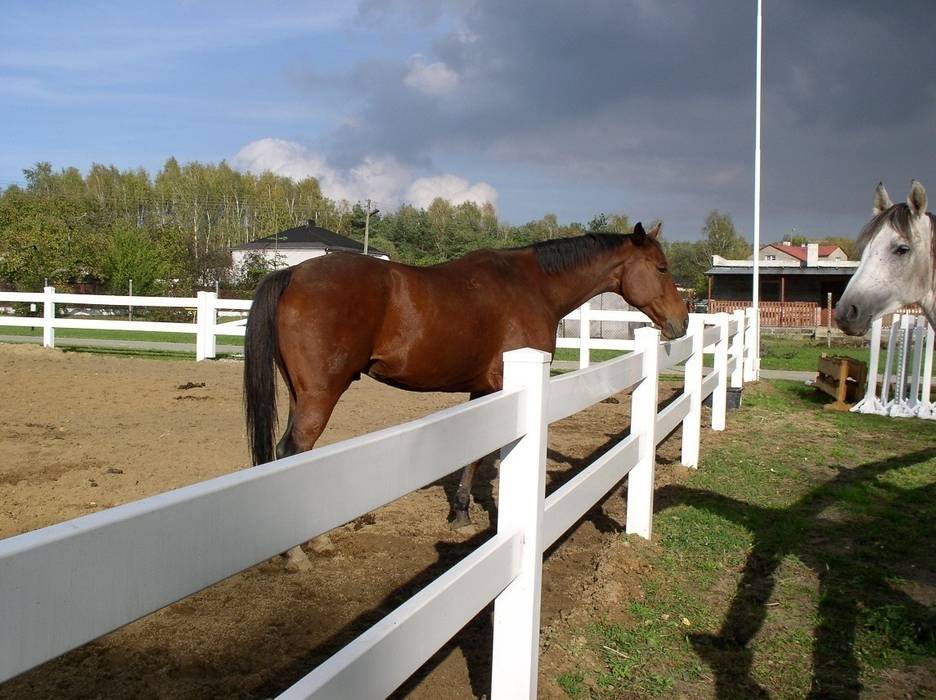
x: 437, y: 328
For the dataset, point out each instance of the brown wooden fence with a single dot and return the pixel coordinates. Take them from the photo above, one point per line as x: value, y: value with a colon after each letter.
x: 786, y: 314
x: 793, y: 314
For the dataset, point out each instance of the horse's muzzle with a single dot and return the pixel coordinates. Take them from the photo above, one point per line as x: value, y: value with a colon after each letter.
x: 673, y: 329
x: 850, y: 319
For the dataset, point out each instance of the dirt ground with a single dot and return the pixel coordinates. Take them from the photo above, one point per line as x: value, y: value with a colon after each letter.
x: 81, y: 432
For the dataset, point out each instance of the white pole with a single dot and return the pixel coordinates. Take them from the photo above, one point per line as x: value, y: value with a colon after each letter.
x: 755, y: 284
x: 692, y: 385
x: 870, y: 403
x: 515, y: 659
x: 367, y: 227
x: 585, y: 335
x: 737, y: 350
x: 720, y: 395
x: 48, y: 317
x: 640, y: 481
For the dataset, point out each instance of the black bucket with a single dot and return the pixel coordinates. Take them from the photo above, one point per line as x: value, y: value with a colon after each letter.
x: 732, y: 399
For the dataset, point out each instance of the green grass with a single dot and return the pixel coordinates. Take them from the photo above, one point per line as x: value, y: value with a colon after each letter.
x: 802, y: 355
x: 787, y: 562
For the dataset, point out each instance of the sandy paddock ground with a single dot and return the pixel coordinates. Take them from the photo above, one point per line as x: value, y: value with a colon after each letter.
x: 80, y: 433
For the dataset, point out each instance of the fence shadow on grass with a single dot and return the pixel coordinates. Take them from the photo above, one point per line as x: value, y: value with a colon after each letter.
x: 852, y: 558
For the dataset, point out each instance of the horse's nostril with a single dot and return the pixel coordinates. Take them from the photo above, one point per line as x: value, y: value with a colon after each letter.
x: 852, y: 312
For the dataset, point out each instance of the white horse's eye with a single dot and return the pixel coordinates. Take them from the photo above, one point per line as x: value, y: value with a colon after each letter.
x: 902, y: 249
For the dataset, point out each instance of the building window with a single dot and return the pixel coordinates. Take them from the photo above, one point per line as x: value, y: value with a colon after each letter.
x: 770, y: 257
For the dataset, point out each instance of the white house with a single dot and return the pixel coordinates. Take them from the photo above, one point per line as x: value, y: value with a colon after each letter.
x: 298, y: 244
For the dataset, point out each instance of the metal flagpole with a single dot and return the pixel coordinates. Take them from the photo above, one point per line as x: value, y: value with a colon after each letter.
x: 755, y: 283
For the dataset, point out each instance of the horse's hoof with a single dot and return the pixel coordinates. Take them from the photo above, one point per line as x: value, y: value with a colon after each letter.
x: 322, y: 545
x: 461, y: 521
x: 296, y: 561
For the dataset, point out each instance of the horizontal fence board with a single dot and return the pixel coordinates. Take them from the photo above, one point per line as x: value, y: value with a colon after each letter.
x: 574, y: 391
x: 674, y: 352
x: 22, y: 321
x: 21, y: 297
x: 597, y: 343
x: 124, y: 300
x: 143, y: 326
x: 69, y: 583
x: 709, y: 384
x: 710, y: 336
x: 670, y: 417
x: 575, y: 498
x: 732, y: 364
x: 618, y: 315
x: 381, y: 659
x: 233, y: 304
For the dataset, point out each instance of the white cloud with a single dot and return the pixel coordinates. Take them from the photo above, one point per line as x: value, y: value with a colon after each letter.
x: 384, y: 180
x: 456, y: 190
x: 430, y: 78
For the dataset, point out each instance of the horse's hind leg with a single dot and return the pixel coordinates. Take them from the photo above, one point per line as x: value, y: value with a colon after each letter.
x: 462, y: 500
x: 308, y: 415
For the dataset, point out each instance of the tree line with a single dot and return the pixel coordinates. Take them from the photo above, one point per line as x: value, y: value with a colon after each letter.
x: 173, y: 232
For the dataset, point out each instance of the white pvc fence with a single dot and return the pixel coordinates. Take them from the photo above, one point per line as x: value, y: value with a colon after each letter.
x: 907, y: 379
x: 67, y: 584
x: 205, y: 308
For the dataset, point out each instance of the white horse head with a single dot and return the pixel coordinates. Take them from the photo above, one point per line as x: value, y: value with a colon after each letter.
x: 898, y: 263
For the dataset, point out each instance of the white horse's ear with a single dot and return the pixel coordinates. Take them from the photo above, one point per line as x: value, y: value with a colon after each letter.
x: 917, y: 199
x: 882, y: 200
x: 655, y: 231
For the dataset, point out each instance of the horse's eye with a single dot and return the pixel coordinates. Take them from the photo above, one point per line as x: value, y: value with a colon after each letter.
x: 662, y: 268
x: 902, y: 249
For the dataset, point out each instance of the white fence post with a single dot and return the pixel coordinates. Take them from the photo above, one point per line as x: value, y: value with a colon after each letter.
x: 737, y: 350
x: 522, y: 490
x: 585, y: 335
x: 692, y: 385
x: 926, y: 408
x: 720, y: 395
x: 205, y: 340
x: 750, y: 347
x: 643, y: 424
x: 48, y: 318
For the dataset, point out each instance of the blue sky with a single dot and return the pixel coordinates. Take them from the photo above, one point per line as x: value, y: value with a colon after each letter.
x: 643, y: 106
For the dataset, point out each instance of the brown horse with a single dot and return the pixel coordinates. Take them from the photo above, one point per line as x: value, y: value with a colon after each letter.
x: 440, y: 328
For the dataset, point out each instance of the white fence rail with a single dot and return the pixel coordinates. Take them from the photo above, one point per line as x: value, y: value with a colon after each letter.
x: 205, y: 308
x: 131, y: 560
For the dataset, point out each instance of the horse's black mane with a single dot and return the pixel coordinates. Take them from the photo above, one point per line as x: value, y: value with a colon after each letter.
x: 898, y: 216
x: 562, y: 254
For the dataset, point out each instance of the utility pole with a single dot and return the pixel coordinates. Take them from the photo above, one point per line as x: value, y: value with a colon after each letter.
x: 367, y: 226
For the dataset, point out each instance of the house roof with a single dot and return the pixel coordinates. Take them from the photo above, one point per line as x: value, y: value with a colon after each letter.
x: 308, y: 237
x: 799, y: 252
x: 784, y: 271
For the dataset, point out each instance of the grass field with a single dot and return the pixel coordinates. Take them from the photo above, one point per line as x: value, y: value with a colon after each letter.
x: 798, y: 560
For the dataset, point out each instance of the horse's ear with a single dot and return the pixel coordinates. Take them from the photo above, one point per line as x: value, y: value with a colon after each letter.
x: 917, y: 199
x: 654, y: 232
x: 639, y: 236
x: 882, y: 200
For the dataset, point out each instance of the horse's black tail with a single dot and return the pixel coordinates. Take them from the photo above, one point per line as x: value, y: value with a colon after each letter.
x: 259, y: 366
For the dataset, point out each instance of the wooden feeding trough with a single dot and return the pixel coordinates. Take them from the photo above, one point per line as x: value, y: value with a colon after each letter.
x: 842, y: 378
